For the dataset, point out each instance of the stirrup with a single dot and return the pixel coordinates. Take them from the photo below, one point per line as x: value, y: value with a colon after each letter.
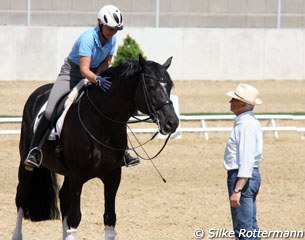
x: 29, y: 163
x: 133, y: 161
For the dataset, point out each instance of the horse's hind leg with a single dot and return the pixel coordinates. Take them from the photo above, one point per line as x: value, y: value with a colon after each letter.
x: 17, y: 234
x: 69, y: 195
x: 111, y: 185
x: 23, y: 192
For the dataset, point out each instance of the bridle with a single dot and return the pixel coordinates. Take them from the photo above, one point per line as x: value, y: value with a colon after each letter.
x: 152, y: 110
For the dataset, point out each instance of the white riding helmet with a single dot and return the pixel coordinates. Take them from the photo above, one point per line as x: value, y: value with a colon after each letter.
x: 111, y: 16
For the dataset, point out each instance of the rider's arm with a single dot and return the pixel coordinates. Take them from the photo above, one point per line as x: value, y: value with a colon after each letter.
x: 104, y: 65
x: 84, y: 65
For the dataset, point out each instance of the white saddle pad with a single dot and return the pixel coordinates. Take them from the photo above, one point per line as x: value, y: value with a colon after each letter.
x: 56, y: 131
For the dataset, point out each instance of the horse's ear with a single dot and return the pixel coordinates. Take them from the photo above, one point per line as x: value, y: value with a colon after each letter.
x: 141, y: 60
x: 168, y: 62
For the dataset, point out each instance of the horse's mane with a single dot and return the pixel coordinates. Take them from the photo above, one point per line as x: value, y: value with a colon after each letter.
x: 129, y: 68
x: 124, y: 70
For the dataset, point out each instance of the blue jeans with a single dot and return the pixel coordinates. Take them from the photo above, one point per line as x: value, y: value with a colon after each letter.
x: 244, y: 217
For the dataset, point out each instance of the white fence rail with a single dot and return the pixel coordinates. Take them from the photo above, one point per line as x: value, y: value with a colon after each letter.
x: 202, y: 120
x: 203, y: 127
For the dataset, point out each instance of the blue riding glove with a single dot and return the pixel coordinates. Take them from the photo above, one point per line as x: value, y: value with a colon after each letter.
x: 103, y: 83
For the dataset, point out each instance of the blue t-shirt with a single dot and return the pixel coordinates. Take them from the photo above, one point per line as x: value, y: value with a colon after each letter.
x: 89, y: 45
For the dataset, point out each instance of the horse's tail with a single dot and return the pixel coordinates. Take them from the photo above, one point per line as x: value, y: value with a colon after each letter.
x: 37, y: 194
x: 37, y: 190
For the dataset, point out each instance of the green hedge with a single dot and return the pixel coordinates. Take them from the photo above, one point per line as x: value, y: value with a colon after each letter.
x: 129, y: 50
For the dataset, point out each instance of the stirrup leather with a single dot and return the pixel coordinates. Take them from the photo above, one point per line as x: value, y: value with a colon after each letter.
x: 36, y: 164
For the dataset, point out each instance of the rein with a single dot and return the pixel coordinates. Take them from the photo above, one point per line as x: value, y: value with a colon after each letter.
x: 141, y: 146
x: 152, y: 115
x: 90, y: 134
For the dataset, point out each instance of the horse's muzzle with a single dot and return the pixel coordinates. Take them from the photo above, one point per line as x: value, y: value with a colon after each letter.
x: 169, y: 125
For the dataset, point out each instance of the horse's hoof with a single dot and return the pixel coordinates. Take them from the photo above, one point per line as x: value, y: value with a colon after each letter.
x: 17, y: 235
x: 110, y: 233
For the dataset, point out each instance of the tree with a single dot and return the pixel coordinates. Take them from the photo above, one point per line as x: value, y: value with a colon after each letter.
x: 129, y: 50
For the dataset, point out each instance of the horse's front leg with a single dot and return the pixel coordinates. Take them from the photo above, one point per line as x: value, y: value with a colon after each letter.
x: 70, y: 195
x: 111, y: 185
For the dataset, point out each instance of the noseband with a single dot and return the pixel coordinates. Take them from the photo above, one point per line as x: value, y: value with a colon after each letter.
x: 152, y: 109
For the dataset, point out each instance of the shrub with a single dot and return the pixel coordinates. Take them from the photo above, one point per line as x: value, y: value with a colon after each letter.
x: 129, y: 50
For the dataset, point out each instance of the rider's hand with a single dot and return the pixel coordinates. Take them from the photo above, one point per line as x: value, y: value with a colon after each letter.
x: 103, y: 83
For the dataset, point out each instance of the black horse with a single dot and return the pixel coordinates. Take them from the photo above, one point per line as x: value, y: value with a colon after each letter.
x: 93, y: 141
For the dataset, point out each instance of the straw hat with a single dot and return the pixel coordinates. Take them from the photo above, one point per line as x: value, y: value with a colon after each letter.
x: 245, y: 93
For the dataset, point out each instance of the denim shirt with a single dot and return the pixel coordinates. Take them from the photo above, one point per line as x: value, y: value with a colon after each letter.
x: 245, y: 146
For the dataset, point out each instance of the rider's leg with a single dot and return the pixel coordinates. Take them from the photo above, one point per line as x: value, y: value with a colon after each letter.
x: 60, y: 88
x: 130, y: 161
x: 34, y: 157
x: 42, y: 132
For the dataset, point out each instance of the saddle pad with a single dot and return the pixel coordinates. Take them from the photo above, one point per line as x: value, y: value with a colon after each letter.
x: 56, y: 131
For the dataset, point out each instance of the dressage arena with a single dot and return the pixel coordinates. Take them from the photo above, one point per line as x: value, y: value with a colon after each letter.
x: 195, y: 193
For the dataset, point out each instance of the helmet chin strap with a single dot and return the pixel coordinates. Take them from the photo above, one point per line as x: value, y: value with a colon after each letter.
x: 101, y: 31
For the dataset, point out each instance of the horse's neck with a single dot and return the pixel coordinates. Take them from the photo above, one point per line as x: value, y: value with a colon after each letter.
x: 117, y: 105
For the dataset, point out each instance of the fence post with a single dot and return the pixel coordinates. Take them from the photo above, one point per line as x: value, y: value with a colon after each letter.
x: 157, y: 20
x: 272, y: 123
x: 279, y: 12
x: 28, y: 14
x: 204, y: 126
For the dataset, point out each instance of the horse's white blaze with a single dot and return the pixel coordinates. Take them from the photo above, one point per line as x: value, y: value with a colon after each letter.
x: 17, y: 234
x: 110, y: 233
x: 163, y: 84
x: 68, y: 233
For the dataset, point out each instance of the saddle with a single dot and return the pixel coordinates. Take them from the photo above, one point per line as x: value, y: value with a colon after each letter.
x: 61, y: 109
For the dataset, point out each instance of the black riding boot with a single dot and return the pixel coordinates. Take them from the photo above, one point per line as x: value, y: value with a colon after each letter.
x: 130, y: 161
x: 34, y: 157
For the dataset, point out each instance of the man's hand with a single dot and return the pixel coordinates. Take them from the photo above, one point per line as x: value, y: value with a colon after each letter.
x: 103, y: 83
x: 234, y: 200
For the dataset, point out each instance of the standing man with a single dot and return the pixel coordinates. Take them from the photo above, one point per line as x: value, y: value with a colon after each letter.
x: 242, y: 156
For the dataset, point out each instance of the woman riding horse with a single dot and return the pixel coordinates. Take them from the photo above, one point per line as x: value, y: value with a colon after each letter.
x: 94, y: 137
x: 91, y: 54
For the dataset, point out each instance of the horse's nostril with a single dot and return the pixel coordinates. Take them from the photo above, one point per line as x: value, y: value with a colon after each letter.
x: 171, y: 125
